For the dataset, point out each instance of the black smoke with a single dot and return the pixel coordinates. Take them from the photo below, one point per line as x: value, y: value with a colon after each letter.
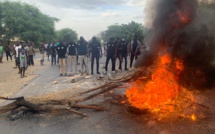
x: 186, y: 29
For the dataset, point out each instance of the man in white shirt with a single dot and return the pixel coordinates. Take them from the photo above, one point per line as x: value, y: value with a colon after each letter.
x: 16, y: 48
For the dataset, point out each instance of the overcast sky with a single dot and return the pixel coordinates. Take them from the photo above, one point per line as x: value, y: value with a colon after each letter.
x: 89, y: 17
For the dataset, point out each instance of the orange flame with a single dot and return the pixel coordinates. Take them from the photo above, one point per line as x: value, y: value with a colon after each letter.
x: 193, y: 117
x: 161, y: 90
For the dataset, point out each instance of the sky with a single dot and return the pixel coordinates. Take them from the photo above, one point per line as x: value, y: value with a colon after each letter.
x: 90, y: 17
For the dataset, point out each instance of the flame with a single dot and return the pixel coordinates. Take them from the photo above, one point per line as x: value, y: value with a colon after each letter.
x: 193, y: 117
x: 161, y: 91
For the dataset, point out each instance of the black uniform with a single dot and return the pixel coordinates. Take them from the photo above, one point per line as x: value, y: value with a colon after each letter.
x: 111, y: 53
x: 61, y: 50
x: 53, y: 54
x: 82, y: 48
x: 72, y: 49
x: 134, y: 53
x: 119, y: 54
x: 124, y: 53
x: 95, y: 49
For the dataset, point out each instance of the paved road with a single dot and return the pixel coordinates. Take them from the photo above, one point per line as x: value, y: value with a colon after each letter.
x: 113, y: 121
x: 97, y: 122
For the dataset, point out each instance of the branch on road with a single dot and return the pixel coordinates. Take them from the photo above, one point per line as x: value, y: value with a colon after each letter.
x: 69, y: 105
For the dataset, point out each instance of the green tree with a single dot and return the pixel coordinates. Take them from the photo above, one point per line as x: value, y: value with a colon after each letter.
x: 66, y: 35
x: 126, y: 31
x: 25, y: 22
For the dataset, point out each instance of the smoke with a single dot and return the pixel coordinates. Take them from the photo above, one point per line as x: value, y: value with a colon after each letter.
x: 185, y: 28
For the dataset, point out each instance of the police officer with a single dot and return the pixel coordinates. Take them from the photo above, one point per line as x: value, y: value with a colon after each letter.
x: 61, y: 50
x: 119, y: 53
x: 82, y: 48
x: 72, y: 55
x: 124, y: 52
x: 135, y: 49
x: 96, y: 52
x: 53, y: 54
x: 111, y: 52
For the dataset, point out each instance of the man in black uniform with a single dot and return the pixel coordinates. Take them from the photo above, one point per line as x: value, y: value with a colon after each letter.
x: 82, y: 48
x: 124, y: 52
x: 53, y: 54
x: 61, y: 50
x: 119, y: 53
x: 72, y: 55
x: 111, y: 52
x: 135, y: 49
x: 96, y: 52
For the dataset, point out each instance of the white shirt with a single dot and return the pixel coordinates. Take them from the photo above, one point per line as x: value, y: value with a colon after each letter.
x: 17, y: 50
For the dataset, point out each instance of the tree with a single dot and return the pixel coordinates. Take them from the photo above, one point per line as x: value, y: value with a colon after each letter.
x: 207, y: 4
x: 126, y: 31
x: 25, y: 22
x: 66, y: 35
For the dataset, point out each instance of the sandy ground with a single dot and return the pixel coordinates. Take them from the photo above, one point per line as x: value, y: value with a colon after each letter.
x: 10, y: 81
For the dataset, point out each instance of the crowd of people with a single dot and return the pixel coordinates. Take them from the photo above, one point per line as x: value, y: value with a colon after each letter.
x: 23, y: 55
x: 71, y: 54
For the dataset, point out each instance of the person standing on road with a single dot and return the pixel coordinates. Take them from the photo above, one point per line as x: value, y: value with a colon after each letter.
x: 31, y: 54
x: 96, y: 52
x: 7, y: 51
x: 134, y: 50
x: 48, y: 51
x: 53, y: 54
x: 17, y: 47
x: 118, y: 53
x: 22, y: 54
x: 82, y: 48
x: 124, y: 52
x: 111, y: 52
x: 72, y: 55
x: 61, y: 50
x: 42, y: 52
x: 1, y: 53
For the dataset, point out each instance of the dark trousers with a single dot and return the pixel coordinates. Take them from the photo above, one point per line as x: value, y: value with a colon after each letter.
x: 113, y: 62
x: 53, y: 59
x: 132, y: 59
x: 8, y: 55
x: 119, y: 56
x: 31, y: 60
x: 124, y: 56
x: 92, y: 63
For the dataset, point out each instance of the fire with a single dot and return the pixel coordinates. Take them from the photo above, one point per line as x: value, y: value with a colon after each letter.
x: 193, y: 117
x: 183, y: 16
x: 157, y: 92
x: 161, y: 91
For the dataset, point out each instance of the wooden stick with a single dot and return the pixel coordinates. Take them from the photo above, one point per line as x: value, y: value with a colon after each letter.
x: 79, y: 113
x: 6, y: 98
x: 98, y: 93
x: 7, y: 108
x: 97, y: 108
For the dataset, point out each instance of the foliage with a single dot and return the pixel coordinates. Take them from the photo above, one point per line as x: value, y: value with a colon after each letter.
x: 25, y: 22
x: 207, y: 3
x: 66, y: 35
x: 126, y: 31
